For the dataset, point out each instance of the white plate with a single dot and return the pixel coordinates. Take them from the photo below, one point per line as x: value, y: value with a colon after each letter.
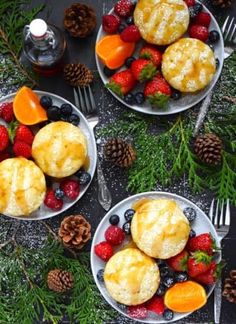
x: 187, y: 100
x: 200, y: 225
x: 43, y: 212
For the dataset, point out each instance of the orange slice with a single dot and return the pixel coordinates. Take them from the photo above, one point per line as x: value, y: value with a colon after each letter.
x: 184, y: 297
x: 113, y: 51
x: 27, y: 108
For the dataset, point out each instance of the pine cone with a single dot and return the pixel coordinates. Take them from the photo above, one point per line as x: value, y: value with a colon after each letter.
x: 75, y: 231
x: 119, y: 152
x: 77, y: 74
x: 230, y: 287
x: 222, y: 3
x: 80, y: 20
x: 59, y: 280
x: 208, y: 148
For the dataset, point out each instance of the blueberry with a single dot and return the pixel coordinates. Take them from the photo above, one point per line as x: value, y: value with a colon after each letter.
x: 217, y: 63
x: 198, y: 8
x: 168, y: 315
x: 214, y: 36
x: 130, y: 20
x: 139, y: 98
x: 129, y: 99
x: 46, y: 102
x: 161, y: 263
x: 108, y: 72
x: 127, y: 228
x: 66, y: 109
x: 192, y: 233
x: 161, y: 290
x: 181, y: 276
x: 190, y: 213
x: 74, y: 119
x: 114, y: 219
x: 59, y: 194
x: 121, y: 28
x: 83, y: 177
x: 192, y: 12
x: 175, y: 94
x: 100, y: 275
x: 129, y: 61
x: 129, y: 213
x: 53, y: 113
x: 168, y: 281
x: 164, y: 272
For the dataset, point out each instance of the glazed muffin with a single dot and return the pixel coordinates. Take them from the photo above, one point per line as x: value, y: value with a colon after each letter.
x: 161, y: 22
x: 22, y: 188
x: 159, y: 228
x: 59, y: 149
x: 131, y: 277
x: 188, y: 65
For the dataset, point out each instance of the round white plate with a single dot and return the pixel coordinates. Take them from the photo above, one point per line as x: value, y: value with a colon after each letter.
x: 43, y: 212
x: 200, y: 225
x: 187, y: 100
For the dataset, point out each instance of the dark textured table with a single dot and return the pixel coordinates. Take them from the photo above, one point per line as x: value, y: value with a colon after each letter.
x: 109, y: 109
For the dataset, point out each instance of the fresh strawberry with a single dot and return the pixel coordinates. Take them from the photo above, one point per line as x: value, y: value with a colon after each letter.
x: 203, y: 19
x: 22, y: 149
x: 150, y: 52
x: 4, y: 156
x: 139, y: 311
x: 211, y: 276
x: 143, y: 70
x: 104, y: 250
x: 70, y: 188
x: 156, y: 305
x: 124, y: 8
x: 6, y: 111
x: 179, y: 261
x: 110, y: 23
x: 24, y: 134
x: 203, y: 242
x: 114, y: 235
x: 122, y: 82
x: 190, y: 3
x: 198, y: 263
x: 52, y: 202
x: 130, y: 34
x: 199, y: 32
x: 157, y: 91
x: 4, y: 138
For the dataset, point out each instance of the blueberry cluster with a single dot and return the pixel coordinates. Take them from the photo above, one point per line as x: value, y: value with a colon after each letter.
x: 191, y: 215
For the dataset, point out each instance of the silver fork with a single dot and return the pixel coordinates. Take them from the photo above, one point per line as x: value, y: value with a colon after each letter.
x: 229, y: 34
x: 84, y: 100
x: 219, y: 215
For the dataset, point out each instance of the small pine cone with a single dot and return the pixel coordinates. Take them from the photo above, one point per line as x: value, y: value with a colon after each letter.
x: 208, y: 148
x: 119, y: 152
x: 222, y: 3
x: 75, y: 231
x: 60, y: 280
x: 230, y: 287
x: 80, y: 20
x: 77, y: 75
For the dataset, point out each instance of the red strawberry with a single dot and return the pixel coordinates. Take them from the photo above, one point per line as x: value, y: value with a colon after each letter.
x: 22, y: 149
x: 4, y: 156
x: 157, y: 91
x: 121, y: 82
x: 52, y: 202
x: 104, y: 250
x: 198, y: 263
x: 4, y: 138
x: 211, y: 276
x: 6, y: 111
x: 70, y: 188
x: 179, y: 261
x: 130, y: 34
x: 150, y: 52
x: 190, y: 3
x: 156, y: 305
x: 143, y: 70
x: 199, y: 32
x: 24, y: 134
x: 114, y: 235
x: 139, y: 311
x: 124, y: 8
x: 203, y: 19
x: 203, y: 242
x: 110, y: 23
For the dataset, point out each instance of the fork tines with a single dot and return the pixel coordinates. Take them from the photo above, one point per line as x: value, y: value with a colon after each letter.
x: 220, y: 213
x: 229, y: 29
x: 84, y: 100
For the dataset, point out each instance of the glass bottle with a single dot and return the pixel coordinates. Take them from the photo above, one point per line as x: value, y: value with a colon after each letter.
x: 44, y: 46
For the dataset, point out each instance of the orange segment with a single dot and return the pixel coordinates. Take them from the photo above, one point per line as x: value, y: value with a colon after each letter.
x: 27, y: 108
x: 113, y: 51
x: 185, y: 297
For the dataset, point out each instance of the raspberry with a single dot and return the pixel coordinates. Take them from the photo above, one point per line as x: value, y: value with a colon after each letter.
x: 130, y: 34
x: 190, y: 3
x: 203, y: 19
x: 199, y: 32
x: 22, y: 149
x: 156, y: 305
x: 4, y: 156
x: 71, y: 188
x: 114, y: 235
x: 139, y: 311
x: 110, y: 23
x: 124, y: 8
x: 52, y: 202
x: 6, y: 111
x: 24, y: 134
x: 4, y: 138
x: 103, y: 250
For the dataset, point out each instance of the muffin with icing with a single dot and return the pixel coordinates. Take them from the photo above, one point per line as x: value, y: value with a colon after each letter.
x: 22, y: 188
x: 188, y: 65
x: 59, y: 149
x: 131, y: 277
x: 161, y: 22
x: 159, y: 228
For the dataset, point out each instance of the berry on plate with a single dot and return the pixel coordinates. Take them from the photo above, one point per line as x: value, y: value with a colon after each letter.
x: 22, y: 149
x: 103, y: 250
x: 129, y: 213
x: 190, y: 213
x: 114, y: 235
x: 199, y: 32
x: 190, y: 3
x: 156, y: 305
x: 214, y: 36
x: 129, y: 99
x: 24, y: 134
x: 83, y: 177
x: 122, y: 82
x: 179, y: 261
x: 129, y: 61
x: 139, y: 311
x: 150, y: 52
x: 203, y: 242
x: 124, y: 8
x: 127, y: 228
x: 139, y: 98
x: 108, y: 72
x: 211, y: 276
x: 110, y: 23
x: 54, y: 113
x: 198, y: 263
x: 130, y: 34
x: 4, y: 138
x: 168, y: 315
x: 4, y: 156
x: 66, y: 110
x: 6, y: 111
x: 157, y: 91
x: 46, y: 102
x: 143, y: 70
x: 114, y: 219
x: 52, y: 202
x: 203, y: 19
x: 70, y: 188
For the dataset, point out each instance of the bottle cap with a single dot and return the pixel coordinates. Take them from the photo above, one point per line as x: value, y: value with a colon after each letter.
x: 38, y: 28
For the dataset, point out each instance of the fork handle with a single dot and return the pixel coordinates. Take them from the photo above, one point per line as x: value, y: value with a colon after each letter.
x: 217, y: 301
x: 202, y: 112
x: 104, y: 195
